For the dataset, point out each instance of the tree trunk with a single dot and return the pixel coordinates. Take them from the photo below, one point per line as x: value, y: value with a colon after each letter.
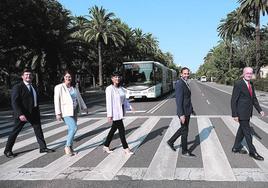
x: 93, y: 81
x: 100, y: 65
x: 258, y: 43
x: 231, y: 56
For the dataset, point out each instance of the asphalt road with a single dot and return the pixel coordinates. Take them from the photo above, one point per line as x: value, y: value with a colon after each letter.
x: 154, y: 164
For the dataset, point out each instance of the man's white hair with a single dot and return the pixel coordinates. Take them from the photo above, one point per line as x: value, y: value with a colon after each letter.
x: 246, y: 68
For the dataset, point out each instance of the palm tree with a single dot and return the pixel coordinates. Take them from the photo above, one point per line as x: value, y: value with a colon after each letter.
x: 234, y: 24
x: 102, y: 30
x: 253, y: 9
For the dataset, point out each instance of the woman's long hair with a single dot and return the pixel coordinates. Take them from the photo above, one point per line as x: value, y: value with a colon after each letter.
x: 67, y: 71
x: 117, y: 73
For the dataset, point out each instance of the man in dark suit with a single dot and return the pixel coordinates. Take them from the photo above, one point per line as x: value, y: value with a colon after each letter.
x: 184, y: 110
x: 242, y: 102
x: 24, y: 100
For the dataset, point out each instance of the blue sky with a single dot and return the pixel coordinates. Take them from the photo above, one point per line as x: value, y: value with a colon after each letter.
x: 187, y: 29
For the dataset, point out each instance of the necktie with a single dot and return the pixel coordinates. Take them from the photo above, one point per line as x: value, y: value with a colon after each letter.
x: 31, y: 92
x: 249, y: 88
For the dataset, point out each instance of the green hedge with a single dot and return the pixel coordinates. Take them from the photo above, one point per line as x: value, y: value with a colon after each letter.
x: 261, y: 84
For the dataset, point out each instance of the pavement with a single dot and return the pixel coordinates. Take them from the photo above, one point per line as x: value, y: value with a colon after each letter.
x: 154, y: 164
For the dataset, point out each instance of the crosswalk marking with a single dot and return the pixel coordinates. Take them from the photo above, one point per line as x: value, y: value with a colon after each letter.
x: 246, y: 174
x: 58, y: 166
x: 9, y: 169
x: 190, y: 174
x: 163, y: 166
x: 44, y: 126
x: 233, y: 126
x: 259, y: 123
x: 31, y: 140
x: 108, y: 168
x: 216, y: 165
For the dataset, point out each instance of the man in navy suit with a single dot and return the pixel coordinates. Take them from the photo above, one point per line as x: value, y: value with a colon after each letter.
x: 24, y: 100
x: 184, y: 110
x: 242, y: 102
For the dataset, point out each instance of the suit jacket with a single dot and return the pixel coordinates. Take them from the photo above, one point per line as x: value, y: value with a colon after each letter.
x: 183, y: 99
x: 21, y: 100
x: 63, y: 101
x: 114, y: 107
x: 242, y: 103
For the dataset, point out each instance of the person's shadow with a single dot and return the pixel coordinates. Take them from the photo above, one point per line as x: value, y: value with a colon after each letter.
x: 204, y: 134
x: 152, y: 135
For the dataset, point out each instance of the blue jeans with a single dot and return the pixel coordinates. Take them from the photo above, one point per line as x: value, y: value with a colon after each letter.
x: 71, y: 122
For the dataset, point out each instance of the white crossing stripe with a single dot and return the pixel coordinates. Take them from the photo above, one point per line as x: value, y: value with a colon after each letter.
x: 163, y: 164
x: 233, y: 126
x: 32, y: 139
x: 10, y: 170
x: 57, y: 167
x: 216, y: 166
x: 27, y: 129
x: 44, y: 126
x: 190, y: 174
x: 215, y: 162
x: 109, y: 167
x: 259, y: 123
x: 246, y: 174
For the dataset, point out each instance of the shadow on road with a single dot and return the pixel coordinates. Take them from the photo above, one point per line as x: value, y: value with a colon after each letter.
x: 204, y: 134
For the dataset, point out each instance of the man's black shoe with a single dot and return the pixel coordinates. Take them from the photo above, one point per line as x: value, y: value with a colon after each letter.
x: 171, y: 146
x: 9, y: 154
x: 256, y: 156
x: 188, y: 154
x: 46, y: 150
x: 241, y: 151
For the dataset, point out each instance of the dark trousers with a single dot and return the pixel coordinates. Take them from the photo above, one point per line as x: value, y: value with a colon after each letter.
x: 121, y: 129
x: 34, y: 120
x: 244, y: 131
x: 183, y: 132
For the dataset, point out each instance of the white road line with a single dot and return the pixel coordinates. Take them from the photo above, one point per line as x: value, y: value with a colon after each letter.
x: 27, y: 130
x: 32, y: 139
x: 132, y: 173
x: 109, y: 167
x: 233, y: 126
x: 246, y: 174
x: 215, y: 162
x: 190, y: 174
x: 163, y: 164
x: 259, y: 123
x: 156, y: 107
x: 9, y: 170
x: 207, y: 101
x: 262, y: 105
x: 30, y: 130
x: 58, y: 167
x: 74, y: 173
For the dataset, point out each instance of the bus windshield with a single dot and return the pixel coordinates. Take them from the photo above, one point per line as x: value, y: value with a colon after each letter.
x: 138, y: 74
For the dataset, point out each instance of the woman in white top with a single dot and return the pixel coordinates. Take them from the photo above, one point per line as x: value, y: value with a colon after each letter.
x: 68, y: 102
x: 116, y: 104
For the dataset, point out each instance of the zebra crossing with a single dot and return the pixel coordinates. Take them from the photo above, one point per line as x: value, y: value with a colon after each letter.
x: 216, y: 164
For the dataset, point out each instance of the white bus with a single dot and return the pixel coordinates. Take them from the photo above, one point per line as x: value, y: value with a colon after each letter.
x: 147, y: 79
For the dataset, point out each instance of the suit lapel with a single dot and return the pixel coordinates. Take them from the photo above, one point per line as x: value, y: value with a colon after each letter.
x: 245, y: 87
x: 185, y: 85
